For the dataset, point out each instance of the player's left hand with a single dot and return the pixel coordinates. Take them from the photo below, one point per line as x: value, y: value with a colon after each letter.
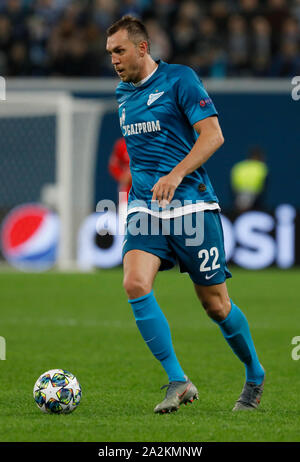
x: 164, y: 188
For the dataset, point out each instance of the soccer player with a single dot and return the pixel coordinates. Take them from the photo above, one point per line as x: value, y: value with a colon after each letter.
x: 171, y: 129
x: 119, y: 166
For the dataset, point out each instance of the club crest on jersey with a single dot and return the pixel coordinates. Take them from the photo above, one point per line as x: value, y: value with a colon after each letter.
x: 153, y: 97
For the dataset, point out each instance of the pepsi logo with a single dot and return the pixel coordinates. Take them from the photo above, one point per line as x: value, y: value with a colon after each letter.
x: 30, y: 236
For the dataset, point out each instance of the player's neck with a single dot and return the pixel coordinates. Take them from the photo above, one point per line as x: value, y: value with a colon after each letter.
x: 148, y: 69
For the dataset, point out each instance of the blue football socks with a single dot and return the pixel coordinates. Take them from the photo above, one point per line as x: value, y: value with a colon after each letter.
x: 155, y: 331
x: 236, y: 331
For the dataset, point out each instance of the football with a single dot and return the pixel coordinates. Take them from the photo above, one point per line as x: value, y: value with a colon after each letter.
x: 57, y: 392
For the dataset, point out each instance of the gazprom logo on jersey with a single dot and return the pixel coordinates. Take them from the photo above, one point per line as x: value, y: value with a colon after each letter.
x: 30, y: 236
x: 139, y: 127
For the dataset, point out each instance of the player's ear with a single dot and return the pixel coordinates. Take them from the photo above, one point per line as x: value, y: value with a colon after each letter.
x: 143, y: 48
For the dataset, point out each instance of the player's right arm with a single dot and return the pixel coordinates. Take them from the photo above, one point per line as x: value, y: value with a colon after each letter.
x: 210, y: 139
x: 201, y: 113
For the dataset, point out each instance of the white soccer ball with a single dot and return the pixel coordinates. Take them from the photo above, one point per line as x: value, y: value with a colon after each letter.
x: 57, y: 392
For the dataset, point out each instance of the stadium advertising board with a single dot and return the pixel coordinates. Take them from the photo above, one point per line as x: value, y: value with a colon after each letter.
x: 253, y: 240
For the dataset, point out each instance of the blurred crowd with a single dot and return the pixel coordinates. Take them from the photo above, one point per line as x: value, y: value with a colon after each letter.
x: 218, y: 38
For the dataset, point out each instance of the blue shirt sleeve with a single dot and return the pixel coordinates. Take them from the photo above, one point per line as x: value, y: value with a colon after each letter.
x: 192, y: 97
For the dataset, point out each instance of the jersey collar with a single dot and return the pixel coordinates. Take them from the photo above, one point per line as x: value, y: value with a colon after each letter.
x: 149, y: 79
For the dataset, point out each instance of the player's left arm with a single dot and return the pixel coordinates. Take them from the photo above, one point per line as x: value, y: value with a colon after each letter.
x: 209, y: 140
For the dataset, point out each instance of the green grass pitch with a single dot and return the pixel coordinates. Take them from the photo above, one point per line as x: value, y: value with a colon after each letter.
x: 83, y: 323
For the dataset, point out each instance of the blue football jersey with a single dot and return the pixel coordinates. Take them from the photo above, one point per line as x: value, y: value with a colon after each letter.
x: 156, y: 119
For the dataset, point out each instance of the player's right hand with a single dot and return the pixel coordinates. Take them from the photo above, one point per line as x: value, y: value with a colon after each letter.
x: 164, y: 189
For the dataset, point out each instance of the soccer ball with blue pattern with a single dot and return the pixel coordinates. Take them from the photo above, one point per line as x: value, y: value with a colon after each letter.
x: 57, y: 392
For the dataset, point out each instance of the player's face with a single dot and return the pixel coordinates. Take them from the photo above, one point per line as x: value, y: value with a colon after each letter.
x: 125, y: 56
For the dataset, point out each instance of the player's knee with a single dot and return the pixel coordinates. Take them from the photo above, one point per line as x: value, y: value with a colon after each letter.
x: 136, y: 286
x: 217, y: 308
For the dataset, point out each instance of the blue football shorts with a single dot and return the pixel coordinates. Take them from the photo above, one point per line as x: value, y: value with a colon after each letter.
x: 194, y: 241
